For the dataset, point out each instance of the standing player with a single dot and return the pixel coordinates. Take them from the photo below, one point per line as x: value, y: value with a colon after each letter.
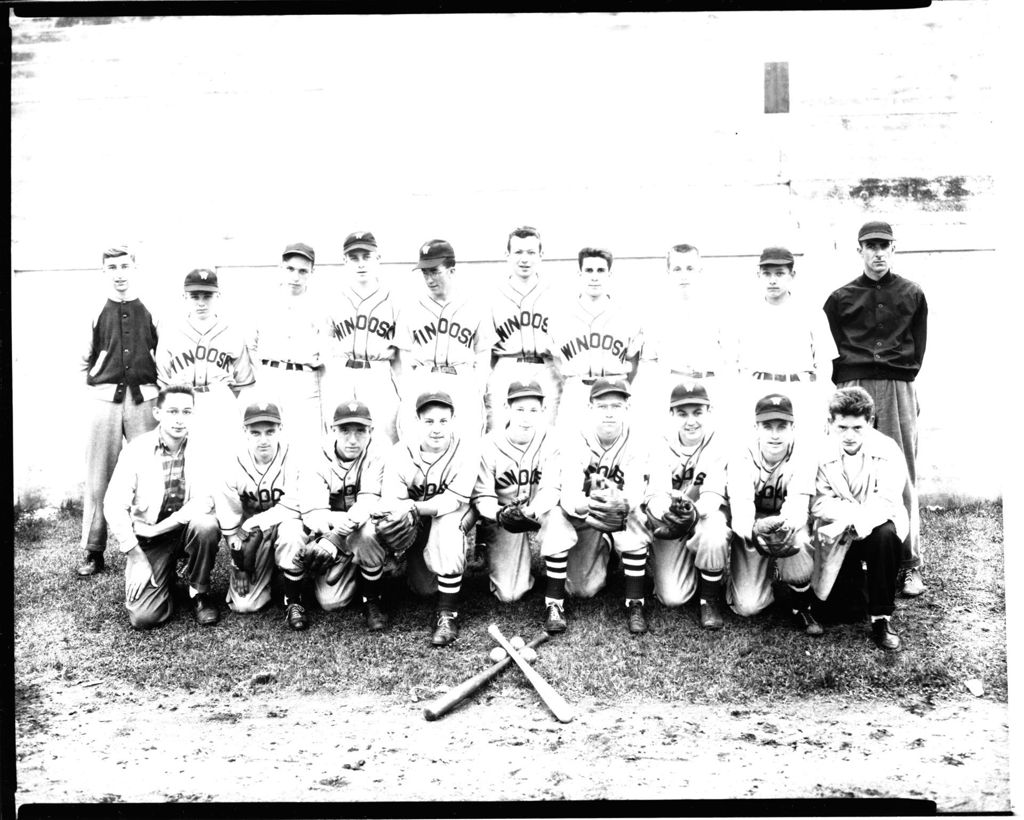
x: 692, y: 461
x: 430, y: 476
x: 286, y: 346
x: 347, y: 491
x: 159, y: 511
x: 121, y: 377
x: 880, y: 325
x: 858, y: 507
x: 785, y: 346
x: 258, y: 496
x: 210, y: 356
x: 362, y: 361
x: 598, y: 338
x: 604, y: 465
x: 517, y: 487
x: 445, y: 339
x: 522, y: 312
x: 770, y: 490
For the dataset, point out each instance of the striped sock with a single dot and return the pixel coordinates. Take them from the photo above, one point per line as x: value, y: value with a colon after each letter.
x: 369, y: 582
x: 634, y: 566
x: 554, y: 570
x: 448, y: 587
x: 710, y: 585
x: 801, y: 597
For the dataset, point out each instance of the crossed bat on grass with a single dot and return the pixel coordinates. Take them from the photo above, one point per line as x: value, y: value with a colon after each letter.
x: 449, y: 700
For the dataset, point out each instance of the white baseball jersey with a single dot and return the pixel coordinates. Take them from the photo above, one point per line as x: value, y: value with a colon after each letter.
x: 452, y: 334
x: 512, y: 472
x: 785, y: 339
x: 698, y: 471
x: 687, y: 337
x: 757, y: 489
x: 623, y: 463
x: 595, y: 339
x: 215, y: 354
x: 288, y: 329
x: 362, y: 327
x: 522, y: 320
x: 408, y: 475
x: 338, y: 485
x: 247, y: 489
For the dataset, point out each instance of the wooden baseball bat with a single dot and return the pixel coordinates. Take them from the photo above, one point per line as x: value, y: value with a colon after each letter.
x: 443, y: 704
x: 554, y: 701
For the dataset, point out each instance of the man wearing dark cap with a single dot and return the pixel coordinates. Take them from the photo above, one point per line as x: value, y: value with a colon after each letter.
x: 287, y: 342
x: 880, y: 325
x: 606, y: 457
x: 361, y: 358
x: 121, y: 379
x: 210, y: 355
x: 445, y: 336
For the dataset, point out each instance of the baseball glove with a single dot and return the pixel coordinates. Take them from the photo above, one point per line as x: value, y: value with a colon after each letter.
x: 773, y: 537
x: 607, y: 510
x: 512, y: 518
x: 397, y: 532
x: 317, y: 555
x: 243, y: 556
x: 678, y: 522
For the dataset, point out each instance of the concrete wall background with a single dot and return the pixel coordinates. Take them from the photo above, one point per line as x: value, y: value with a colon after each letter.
x: 215, y: 141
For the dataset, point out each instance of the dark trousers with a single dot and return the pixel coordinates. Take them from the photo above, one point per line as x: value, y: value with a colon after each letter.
x: 881, y: 551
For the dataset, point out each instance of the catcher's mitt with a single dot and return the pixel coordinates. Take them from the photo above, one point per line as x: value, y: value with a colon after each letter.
x: 607, y: 510
x: 317, y: 555
x: 512, y: 518
x: 243, y: 556
x: 773, y: 537
x: 397, y: 532
x: 678, y: 522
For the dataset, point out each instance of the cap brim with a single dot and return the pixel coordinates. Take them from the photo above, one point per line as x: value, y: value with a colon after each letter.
x: 877, y: 235
x: 306, y: 256
x: 774, y: 415
x: 430, y: 263
x: 359, y: 246
x: 526, y: 394
x: 686, y: 401
x: 202, y: 288
x: 352, y: 420
x: 262, y: 418
x: 610, y: 391
x: 775, y: 262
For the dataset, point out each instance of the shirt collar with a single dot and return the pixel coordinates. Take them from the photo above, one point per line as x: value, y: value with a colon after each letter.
x: 163, y: 449
x: 884, y: 282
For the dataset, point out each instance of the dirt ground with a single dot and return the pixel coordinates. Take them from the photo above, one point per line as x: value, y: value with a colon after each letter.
x: 90, y: 742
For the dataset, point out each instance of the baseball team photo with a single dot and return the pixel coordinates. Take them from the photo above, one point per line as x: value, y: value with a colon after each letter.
x: 508, y: 407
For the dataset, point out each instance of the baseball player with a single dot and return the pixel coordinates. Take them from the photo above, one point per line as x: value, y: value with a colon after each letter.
x: 597, y: 338
x: 770, y: 487
x: 211, y: 357
x: 522, y: 312
x: 258, y: 504
x: 858, y: 508
x: 685, y: 339
x: 431, y: 476
x: 347, y: 488
x: 157, y: 508
x: 603, y: 466
x: 784, y: 345
x: 121, y: 379
x: 286, y: 345
x: 445, y: 340
x: 361, y: 353
x: 880, y: 325
x: 517, y: 486
x: 691, y: 460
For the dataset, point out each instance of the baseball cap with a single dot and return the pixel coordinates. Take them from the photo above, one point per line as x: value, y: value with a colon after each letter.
x: 360, y: 241
x: 433, y: 253
x: 436, y: 397
x: 875, y: 230
x: 773, y: 406
x: 523, y: 390
x: 300, y: 249
x: 201, y: 279
x: 351, y: 411
x: 602, y: 387
x: 775, y: 256
x: 261, y: 411
x: 688, y: 393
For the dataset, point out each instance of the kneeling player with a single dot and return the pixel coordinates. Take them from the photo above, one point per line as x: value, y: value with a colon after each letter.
x: 426, y: 487
x: 257, y: 504
x: 515, y: 490
x: 601, y: 487
x: 342, y: 536
x: 772, y: 524
x: 692, y: 465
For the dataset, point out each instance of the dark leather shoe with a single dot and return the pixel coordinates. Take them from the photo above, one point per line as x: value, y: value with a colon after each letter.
x: 447, y: 628
x: 635, y: 618
x: 206, y: 613
x: 295, y: 615
x: 376, y: 617
x: 92, y: 564
x: 883, y: 635
x: 555, y: 623
x: 807, y: 621
x: 710, y: 615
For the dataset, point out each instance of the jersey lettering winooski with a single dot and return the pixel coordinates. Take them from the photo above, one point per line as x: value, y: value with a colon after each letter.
x: 510, y: 472
x: 413, y: 477
x: 595, y: 341
x: 203, y: 356
x: 443, y: 335
x: 339, y: 484
x: 248, y: 488
x: 521, y: 321
x: 363, y: 327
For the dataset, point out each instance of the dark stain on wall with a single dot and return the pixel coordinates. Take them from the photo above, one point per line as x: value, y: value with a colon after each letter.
x: 938, y: 194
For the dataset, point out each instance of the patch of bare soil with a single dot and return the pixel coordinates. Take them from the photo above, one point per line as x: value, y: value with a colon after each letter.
x: 82, y: 743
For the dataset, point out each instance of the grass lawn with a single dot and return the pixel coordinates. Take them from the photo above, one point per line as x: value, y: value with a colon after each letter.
x: 78, y: 630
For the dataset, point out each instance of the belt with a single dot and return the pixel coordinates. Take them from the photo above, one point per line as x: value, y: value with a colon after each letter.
x: 443, y: 368
x: 201, y: 388
x: 782, y: 377
x: 589, y: 380
x: 358, y: 364
x: 530, y: 359
x: 288, y: 365
x: 694, y: 374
